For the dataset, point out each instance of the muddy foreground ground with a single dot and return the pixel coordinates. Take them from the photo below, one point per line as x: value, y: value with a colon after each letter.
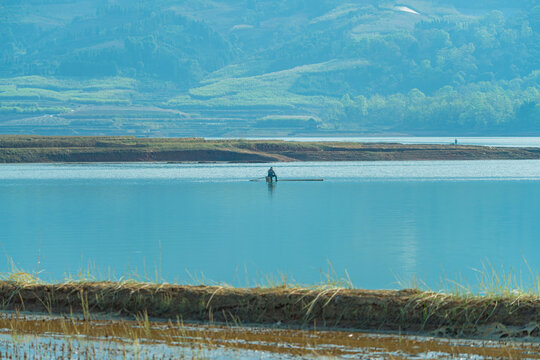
x: 73, y: 337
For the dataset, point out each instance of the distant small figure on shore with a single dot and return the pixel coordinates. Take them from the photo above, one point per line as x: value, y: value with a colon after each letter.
x: 271, y: 175
x: 455, y: 141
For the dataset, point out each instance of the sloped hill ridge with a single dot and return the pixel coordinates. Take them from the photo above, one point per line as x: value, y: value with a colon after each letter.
x: 412, y: 66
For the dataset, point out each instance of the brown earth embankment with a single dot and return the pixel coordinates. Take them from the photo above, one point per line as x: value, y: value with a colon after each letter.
x: 130, y: 155
x: 50, y: 149
x: 379, y: 310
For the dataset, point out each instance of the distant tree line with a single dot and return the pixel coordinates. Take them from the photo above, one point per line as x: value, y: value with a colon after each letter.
x: 512, y: 105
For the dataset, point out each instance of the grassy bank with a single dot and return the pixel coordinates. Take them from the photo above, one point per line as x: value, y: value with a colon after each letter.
x: 48, y: 149
x: 503, y: 315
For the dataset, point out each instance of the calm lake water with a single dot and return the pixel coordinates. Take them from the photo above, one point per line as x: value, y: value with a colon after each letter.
x: 379, y: 221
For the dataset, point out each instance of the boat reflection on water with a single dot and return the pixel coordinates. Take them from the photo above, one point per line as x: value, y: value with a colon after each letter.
x: 271, y: 187
x: 272, y: 183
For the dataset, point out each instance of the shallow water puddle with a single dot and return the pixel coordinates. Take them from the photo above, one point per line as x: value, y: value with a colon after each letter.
x: 31, y: 336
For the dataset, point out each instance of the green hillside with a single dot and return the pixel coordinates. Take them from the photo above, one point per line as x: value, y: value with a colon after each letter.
x: 279, y: 67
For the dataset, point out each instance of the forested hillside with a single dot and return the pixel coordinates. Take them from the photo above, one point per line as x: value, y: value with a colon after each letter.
x: 232, y: 67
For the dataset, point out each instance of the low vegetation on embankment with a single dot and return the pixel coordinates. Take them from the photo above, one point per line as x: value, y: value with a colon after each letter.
x: 502, y: 315
x: 47, y: 149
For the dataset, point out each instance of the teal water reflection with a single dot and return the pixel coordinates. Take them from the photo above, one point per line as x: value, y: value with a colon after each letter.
x: 236, y: 231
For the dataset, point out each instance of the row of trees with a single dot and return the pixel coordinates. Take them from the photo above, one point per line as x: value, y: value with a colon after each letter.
x: 513, y: 105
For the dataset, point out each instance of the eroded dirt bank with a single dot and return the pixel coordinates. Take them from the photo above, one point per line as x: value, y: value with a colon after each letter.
x: 405, y: 310
x: 26, y: 149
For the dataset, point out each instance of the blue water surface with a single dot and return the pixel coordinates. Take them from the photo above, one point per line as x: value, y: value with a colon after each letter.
x: 378, y: 221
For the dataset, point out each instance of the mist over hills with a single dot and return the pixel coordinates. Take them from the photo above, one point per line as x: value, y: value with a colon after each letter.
x: 277, y: 67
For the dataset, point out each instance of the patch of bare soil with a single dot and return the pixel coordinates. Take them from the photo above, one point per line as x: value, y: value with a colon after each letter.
x: 399, y: 152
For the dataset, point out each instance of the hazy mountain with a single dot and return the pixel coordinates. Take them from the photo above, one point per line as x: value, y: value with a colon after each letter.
x: 223, y: 67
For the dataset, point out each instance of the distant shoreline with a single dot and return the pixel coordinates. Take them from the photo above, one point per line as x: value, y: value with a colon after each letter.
x: 82, y: 149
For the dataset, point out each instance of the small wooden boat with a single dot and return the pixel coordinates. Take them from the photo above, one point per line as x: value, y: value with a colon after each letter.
x: 270, y: 180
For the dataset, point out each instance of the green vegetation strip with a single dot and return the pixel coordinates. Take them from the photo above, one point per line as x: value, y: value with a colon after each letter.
x: 50, y: 149
x: 328, y: 306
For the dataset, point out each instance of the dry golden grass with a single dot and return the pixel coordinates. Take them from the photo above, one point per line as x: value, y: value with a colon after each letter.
x: 327, y: 305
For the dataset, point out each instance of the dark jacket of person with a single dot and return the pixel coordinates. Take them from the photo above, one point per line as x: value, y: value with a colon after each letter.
x: 271, y: 173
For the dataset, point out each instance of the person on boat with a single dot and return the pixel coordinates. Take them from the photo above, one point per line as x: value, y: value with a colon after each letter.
x: 272, y: 174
